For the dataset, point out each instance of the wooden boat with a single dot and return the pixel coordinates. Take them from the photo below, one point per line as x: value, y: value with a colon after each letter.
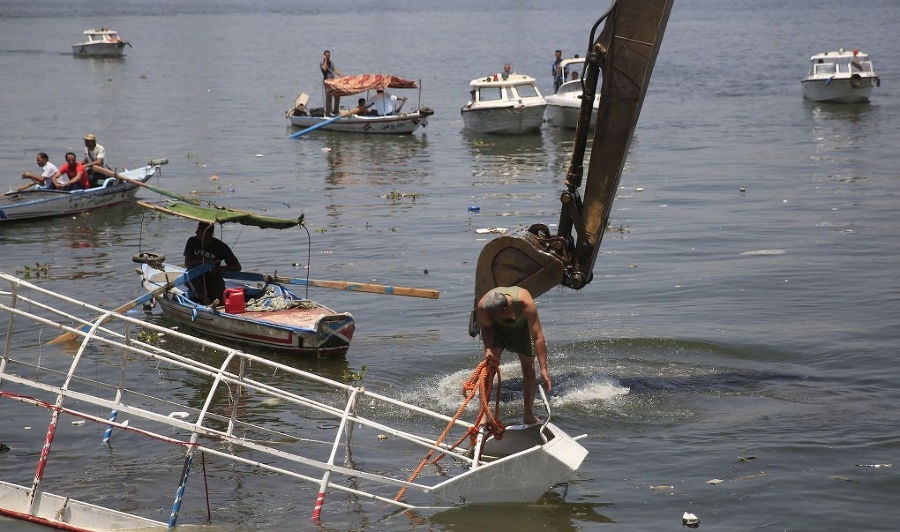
x: 41, y: 203
x: 399, y: 122
x: 257, y: 311
x: 840, y: 77
x: 102, y: 42
x: 564, y: 105
x: 241, y: 421
x: 510, y: 106
x: 266, y: 315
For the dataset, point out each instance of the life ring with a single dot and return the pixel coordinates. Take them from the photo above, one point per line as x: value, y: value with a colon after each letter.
x: 856, y: 81
x: 148, y: 258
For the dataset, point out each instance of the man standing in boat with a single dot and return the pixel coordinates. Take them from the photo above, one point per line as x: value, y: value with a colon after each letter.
x: 329, y: 71
x: 509, y: 320
x: 559, y: 73
x: 204, y: 247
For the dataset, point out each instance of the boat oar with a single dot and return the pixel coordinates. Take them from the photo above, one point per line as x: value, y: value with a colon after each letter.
x: 20, y: 189
x: 164, y: 192
x: 317, y: 126
x: 338, y: 285
x: 196, y: 271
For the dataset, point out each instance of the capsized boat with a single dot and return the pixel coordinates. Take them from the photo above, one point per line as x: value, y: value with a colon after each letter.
x: 564, y: 105
x: 102, y: 42
x: 257, y: 311
x: 399, y: 122
x: 241, y: 423
x: 36, y: 203
x: 509, y: 106
x: 840, y: 77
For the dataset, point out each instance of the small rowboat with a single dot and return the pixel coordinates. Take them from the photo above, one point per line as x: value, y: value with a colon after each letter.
x: 41, y: 203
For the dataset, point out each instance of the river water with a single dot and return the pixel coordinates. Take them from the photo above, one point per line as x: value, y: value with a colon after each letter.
x: 745, y: 305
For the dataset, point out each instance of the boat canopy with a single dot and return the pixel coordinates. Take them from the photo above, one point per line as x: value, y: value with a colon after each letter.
x: 347, y: 85
x: 217, y: 214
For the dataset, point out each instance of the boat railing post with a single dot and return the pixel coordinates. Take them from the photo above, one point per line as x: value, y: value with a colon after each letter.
x: 232, y: 421
x: 9, y: 329
x: 114, y: 412
x: 320, y: 499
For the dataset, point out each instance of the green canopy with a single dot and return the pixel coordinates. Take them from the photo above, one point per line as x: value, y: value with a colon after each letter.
x: 217, y: 214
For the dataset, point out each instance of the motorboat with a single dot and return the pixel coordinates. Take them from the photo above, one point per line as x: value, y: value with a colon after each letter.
x: 564, y: 106
x: 841, y: 76
x: 398, y: 122
x: 35, y: 203
x: 509, y: 105
x: 102, y: 42
x: 165, y: 406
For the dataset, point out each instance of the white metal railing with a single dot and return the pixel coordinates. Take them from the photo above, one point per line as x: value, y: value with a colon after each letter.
x: 296, y: 445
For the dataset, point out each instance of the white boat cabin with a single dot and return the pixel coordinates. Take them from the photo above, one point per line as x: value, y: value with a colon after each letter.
x: 515, y: 88
x: 839, y: 63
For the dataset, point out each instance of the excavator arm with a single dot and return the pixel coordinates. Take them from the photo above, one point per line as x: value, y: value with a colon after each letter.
x: 533, y: 258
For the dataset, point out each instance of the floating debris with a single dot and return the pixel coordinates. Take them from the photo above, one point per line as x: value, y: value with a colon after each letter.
x: 78, y: 423
x: 845, y: 479
x: 875, y: 465
x: 484, y: 230
x: 746, y: 458
x: 715, y: 481
x: 382, y: 437
x: 690, y: 520
x: 662, y: 487
x: 178, y: 415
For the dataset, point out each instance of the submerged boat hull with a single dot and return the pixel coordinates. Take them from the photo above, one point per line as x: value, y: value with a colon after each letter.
x: 37, y: 203
x: 307, y: 328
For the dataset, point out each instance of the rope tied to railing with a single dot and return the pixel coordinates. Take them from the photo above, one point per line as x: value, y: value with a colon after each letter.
x: 481, y: 382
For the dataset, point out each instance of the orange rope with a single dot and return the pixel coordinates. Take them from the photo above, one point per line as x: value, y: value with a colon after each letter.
x: 478, y: 381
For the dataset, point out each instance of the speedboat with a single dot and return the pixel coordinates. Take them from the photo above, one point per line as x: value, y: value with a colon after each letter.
x: 510, y: 106
x: 102, y: 42
x: 398, y: 122
x: 840, y: 77
x: 563, y: 106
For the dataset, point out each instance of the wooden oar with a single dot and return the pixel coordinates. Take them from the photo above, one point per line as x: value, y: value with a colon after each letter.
x: 338, y: 285
x: 317, y: 126
x: 196, y: 271
x: 164, y: 192
x: 20, y: 189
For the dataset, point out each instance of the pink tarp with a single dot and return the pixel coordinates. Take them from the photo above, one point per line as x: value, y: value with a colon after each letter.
x: 348, y: 85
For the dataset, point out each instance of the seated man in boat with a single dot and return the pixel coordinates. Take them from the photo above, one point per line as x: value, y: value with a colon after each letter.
x: 509, y: 320
x: 94, y: 157
x: 45, y: 180
x: 204, y: 247
x: 74, y: 171
x: 361, y: 108
x: 382, y: 104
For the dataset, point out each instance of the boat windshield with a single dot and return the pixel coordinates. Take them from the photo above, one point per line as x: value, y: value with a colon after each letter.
x: 527, y: 91
x: 490, y: 94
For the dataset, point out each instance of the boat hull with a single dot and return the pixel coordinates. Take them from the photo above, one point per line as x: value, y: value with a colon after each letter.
x: 36, y: 203
x: 838, y: 90
x: 508, y: 120
x: 402, y: 124
x: 309, y: 329
x: 99, y: 49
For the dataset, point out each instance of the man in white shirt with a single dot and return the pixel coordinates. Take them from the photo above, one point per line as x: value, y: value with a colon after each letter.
x: 94, y: 156
x: 48, y: 171
x: 383, y: 103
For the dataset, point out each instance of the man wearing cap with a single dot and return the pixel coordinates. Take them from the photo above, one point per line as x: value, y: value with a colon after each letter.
x: 509, y: 320
x: 94, y: 156
x: 382, y: 103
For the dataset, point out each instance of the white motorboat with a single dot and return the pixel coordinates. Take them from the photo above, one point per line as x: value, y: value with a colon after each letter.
x: 102, y: 42
x: 840, y: 77
x: 563, y: 106
x: 508, y: 106
x: 240, y: 420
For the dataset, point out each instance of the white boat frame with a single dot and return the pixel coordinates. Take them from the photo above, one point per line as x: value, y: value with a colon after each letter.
x: 292, y: 441
x: 564, y: 106
x: 840, y: 77
x: 508, y: 111
x: 102, y: 42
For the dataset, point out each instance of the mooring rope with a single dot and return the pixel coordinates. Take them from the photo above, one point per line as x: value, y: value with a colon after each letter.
x: 481, y: 381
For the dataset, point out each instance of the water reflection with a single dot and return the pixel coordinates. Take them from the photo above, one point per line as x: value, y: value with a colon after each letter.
x: 551, y: 512
x: 839, y: 131
x: 374, y: 159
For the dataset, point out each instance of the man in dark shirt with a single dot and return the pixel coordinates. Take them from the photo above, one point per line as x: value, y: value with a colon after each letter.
x: 204, y: 247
